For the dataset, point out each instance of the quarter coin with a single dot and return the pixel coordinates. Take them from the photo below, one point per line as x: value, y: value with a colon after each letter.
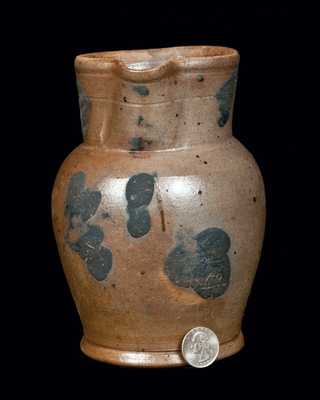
x: 200, y: 347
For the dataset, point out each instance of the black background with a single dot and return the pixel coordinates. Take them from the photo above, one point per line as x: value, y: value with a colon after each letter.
x: 262, y: 122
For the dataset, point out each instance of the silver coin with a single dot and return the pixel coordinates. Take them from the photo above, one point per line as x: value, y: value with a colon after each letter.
x: 200, y: 347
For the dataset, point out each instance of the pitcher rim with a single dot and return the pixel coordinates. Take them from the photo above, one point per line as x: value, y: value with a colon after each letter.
x: 149, y: 64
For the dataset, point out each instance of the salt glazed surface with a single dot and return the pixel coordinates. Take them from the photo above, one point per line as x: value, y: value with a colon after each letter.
x: 159, y: 214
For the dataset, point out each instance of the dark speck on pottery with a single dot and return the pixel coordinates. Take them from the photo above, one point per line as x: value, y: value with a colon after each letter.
x: 140, y: 120
x: 136, y: 143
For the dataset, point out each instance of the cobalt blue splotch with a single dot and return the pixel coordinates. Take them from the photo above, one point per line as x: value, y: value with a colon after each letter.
x: 205, y: 267
x: 85, y: 108
x: 225, y: 97
x: 82, y: 237
x: 139, y: 193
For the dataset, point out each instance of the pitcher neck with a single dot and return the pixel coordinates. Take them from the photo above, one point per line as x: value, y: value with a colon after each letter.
x: 157, y: 100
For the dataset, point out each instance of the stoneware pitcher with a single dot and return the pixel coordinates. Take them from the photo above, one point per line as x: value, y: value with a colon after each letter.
x: 159, y: 214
